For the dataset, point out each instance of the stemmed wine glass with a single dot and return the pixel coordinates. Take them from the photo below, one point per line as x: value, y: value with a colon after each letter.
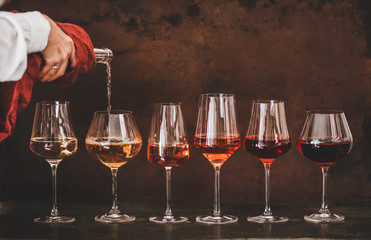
x: 325, y: 139
x: 217, y: 137
x: 113, y: 138
x: 168, y: 147
x: 267, y: 138
x: 53, y: 138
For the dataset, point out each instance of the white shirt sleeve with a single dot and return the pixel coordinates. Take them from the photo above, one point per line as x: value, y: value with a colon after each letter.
x: 20, y: 34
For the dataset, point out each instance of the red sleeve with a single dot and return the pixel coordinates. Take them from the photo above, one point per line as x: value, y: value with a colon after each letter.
x: 84, y: 53
x: 8, y: 110
x: 15, y: 96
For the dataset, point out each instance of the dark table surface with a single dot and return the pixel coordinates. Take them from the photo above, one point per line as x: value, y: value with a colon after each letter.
x: 16, y: 222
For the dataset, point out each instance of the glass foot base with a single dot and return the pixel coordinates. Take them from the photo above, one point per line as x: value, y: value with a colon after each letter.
x: 217, y: 220
x: 324, y: 217
x: 114, y: 218
x: 168, y: 219
x: 267, y: 219
x: 51, y: 219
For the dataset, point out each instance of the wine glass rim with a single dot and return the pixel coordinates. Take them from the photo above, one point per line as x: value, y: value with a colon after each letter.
x: 268, y: 101
x: 53, y: 102
x: 324, y: 112
x: 217, y: 94
x: 168, y: 103
x: 113, y: 112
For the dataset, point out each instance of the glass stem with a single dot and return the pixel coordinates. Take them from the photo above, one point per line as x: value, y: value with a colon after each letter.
x: 53, y: 165
x: 324, y: 206
x: 115, y: 208
x: 267, y: 210
x: 217, y: 192
x: 168, y: 212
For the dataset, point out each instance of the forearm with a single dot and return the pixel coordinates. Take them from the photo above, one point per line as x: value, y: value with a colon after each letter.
x: 21, y: 33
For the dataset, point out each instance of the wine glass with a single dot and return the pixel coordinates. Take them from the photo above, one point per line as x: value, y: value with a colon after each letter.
x: 325, y: 139
x: 217, y: 137
x: 168, y: 147
x: 267, y: 138
x: 53, y: 138
x: 113, y: 138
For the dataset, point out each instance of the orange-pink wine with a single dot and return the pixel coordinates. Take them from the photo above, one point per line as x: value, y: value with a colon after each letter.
x: 217, y: 150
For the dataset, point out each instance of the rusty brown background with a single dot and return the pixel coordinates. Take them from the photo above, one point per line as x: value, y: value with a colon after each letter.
x: 311, y: 54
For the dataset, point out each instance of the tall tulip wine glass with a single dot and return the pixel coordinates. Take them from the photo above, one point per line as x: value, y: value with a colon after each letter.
x: 217, y: 137
x: 114, y: 139
x: 267, y: 138
x: 53, y: 138
x: 168, y: 147
x: 325, y: 139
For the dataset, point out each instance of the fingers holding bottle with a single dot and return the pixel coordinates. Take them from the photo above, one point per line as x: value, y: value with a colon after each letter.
x: 59, y: 50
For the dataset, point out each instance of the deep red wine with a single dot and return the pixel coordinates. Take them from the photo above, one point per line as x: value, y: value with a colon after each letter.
x: 217, y: 150
x: 324, y: 155
x: 267, y: 150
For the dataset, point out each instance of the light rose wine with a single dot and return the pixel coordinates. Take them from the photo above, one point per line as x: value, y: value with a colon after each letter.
x: 50, y: 148
x: 173, y: 156
x: 113, y: 153
x: 217, y: 150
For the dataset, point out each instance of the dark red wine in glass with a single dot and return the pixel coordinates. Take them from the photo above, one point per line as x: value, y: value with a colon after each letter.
x: 267, y: 138
x: 324, y: 155
x: 268, y: 150
x: 325, y: 139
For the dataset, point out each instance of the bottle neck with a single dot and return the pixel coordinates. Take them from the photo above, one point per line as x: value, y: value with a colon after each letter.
x: 103, y: 55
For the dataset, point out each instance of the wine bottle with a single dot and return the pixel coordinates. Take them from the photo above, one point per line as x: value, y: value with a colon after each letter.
x: 103, y: 55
